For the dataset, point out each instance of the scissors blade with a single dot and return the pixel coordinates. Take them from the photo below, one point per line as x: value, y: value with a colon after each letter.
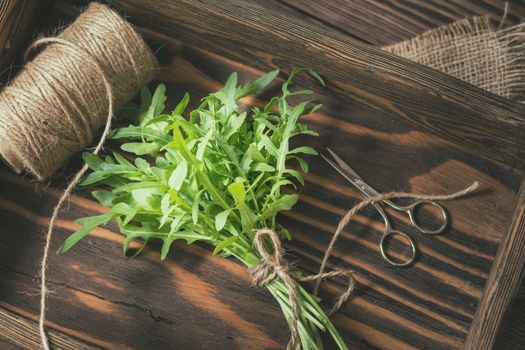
x: 344, y: 169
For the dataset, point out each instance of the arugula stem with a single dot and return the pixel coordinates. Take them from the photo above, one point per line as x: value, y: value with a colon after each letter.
x: 313, y: 319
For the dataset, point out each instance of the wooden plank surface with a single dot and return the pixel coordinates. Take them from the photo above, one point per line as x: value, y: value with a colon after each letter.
x: 194, y: 300
x: 423, y: 304
x: 385, y: 22
x: 18, y: 22
x: 20, y: 332
x: 421, y: 97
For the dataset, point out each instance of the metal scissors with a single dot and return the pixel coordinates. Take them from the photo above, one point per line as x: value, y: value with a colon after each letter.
x: 411, y: 209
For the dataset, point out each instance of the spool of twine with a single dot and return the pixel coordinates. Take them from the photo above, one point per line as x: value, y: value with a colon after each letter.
x: 59, y: 100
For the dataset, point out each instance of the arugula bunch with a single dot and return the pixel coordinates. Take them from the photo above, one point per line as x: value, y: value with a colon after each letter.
x: 214, y: 177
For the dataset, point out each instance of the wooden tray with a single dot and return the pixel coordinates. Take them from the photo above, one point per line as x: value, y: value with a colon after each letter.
x: 401, y: 126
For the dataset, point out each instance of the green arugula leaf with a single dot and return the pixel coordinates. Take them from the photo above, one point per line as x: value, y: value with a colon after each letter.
x: 256, y: 86
x: 224, y: 244
x: 181, y: 107
x: 220, y: 219
x: 304, y: 149
x: 92, y: 160
x: 88, y: 224
x: 157, y: 104
x: 263, y: 167
x: 146, y: 133
x: 248, y: 218
x: 284, y: 203
x: 195, y: 207
x: 238, y: 193
x: 141, y: 148
x: 202, y: 145
x: 105, y: 198
x: 178, y: 176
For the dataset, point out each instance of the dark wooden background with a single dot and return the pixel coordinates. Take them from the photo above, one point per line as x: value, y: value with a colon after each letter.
x: 193, y: 300
x: 381, y: 23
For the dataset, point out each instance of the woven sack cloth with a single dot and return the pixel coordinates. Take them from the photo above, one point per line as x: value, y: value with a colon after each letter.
x: 475, y: 51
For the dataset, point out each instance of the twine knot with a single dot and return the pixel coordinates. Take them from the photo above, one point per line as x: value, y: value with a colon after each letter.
x: 274, y: 265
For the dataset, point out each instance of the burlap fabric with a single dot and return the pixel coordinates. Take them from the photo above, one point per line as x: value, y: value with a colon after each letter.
x: 475, y: 51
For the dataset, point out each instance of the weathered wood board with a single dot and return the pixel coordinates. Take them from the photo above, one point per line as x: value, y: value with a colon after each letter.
x: 401, y: 139
x: 385, y: 22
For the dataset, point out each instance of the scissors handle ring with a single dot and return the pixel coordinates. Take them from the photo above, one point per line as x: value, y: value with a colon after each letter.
x: 383, y: 249
x: 413, y: 217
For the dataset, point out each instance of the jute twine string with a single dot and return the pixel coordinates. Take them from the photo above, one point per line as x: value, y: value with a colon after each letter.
x: 60, y: 99
x: 377, y: 199
x: 72, y: 184
x: 274, y: 265
x: 57, y: 103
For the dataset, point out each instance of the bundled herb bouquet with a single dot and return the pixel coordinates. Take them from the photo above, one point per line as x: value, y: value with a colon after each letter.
x: 215, y: 176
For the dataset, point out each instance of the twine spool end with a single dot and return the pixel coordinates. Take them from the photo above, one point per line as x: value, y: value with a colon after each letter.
x: 56, y: 104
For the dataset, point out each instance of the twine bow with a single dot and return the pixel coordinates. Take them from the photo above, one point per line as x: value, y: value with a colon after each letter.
x: 274, y: 265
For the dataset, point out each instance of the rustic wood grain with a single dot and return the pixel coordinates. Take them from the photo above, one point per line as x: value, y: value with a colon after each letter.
x: 195, y: 300
x: 503, y: 282
x: 431, y: 305
x: 418, y: 96
x: 18, y: 22
x: 22, y: 333
x: 511, y: 335
x: 385, y: 22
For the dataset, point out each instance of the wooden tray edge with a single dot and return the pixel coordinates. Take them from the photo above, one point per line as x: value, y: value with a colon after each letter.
x: 503, y: 282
